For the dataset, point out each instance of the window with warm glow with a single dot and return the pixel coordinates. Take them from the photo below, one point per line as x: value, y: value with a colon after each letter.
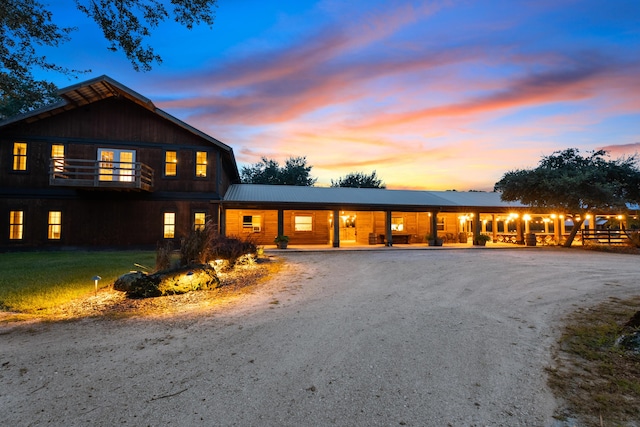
x: 170, y: 163
x: 57, y: 155
x: 106, y: 164
x: 16, y: 224
x: 303, y: 223
x: 251, y: 223
x: 397, y: 224
x: 441, y: 225
x: 19, y: 156
x: 55, y: 225
x: 169, y: 225
x: 201, y: 164
x: 199, y: 220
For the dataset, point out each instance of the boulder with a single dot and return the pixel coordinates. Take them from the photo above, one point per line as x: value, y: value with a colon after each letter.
x: 168, y: 282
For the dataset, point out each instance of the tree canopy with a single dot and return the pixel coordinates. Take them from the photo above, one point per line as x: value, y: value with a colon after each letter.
x: 575, y: 184
x: 359, y: 180
x: 126, y: 24
x: 294, y: 172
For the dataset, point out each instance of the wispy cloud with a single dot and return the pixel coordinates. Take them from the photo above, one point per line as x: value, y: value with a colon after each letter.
x: 396, y: 88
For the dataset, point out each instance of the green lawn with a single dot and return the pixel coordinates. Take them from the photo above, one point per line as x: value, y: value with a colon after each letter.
x: 33, y: 282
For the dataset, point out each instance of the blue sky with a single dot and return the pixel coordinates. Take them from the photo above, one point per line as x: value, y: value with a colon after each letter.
x: 432, y: 95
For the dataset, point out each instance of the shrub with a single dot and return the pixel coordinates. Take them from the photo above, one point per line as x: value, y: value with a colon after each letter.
x: 231, y: 249
x: 634, y: 239
x: 193, y: 248
x: 163, y: 256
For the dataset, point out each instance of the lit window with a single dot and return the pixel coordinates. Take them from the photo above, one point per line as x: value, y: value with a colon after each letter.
x: 170, y: 163
x: 397, y: 224
x: 55, y: 225
x: 201, y: 164
x: 441, y: 224
x: 303, y: 223
x: 106, y: 164
x: 15, y: 225
x: 169, y: 225
x: 199, y: 220
x: 116, y: 165
x: 57, y: 155
x: 19, y: 156
x: 251, y: 223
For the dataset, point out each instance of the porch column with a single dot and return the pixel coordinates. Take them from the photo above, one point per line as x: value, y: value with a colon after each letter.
x: 280, y: 222
x: 388, y: 229
x: 336, y: 229
x: 519, y: 234
x: 434, y: 225
x: 476, y: 227
x: 494, y: 228
x: 556, y: 229
x: 222, y: 220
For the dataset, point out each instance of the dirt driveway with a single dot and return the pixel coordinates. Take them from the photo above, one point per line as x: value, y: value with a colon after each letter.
x: 389, y: 337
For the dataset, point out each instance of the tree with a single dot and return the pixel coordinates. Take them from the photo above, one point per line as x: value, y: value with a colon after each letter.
x: 359, y: 180
x: 567, y: 181
x: 294, y: 172
x: 26, y: 24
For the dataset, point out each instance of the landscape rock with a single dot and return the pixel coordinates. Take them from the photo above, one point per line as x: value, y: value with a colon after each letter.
x: 168, y: 282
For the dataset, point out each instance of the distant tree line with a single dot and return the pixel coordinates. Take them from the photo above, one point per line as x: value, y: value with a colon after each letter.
x: 296, y: 171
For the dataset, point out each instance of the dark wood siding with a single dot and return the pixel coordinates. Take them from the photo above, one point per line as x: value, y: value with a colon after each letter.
x: 108, y: 218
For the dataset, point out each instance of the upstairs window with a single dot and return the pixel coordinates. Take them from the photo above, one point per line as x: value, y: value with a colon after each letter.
x: 303, y: 223
x: 116, y: 165
x: 170, y: 163
x: 252, y: 223
x: 55, y: 225
x: 169, y: 225
x: 199, y: 220
x: 19, y: 156
x: 201, y: 164
x: 16, y: 225
x: 57, y: 155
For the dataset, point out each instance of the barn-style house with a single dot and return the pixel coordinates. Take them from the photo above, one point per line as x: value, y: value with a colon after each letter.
x: 106, y: 168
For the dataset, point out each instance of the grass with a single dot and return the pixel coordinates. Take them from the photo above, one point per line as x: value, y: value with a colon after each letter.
x: 598, y: 379
x: 34, y: 282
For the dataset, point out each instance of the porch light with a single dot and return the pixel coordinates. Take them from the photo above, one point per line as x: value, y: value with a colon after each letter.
x: 526, y: 217
x: 620, y: 217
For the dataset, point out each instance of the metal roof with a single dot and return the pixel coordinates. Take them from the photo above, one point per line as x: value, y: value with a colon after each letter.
x: 363, y: 197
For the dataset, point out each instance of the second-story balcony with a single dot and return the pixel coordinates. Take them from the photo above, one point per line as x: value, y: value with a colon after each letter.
x: 134, y: 176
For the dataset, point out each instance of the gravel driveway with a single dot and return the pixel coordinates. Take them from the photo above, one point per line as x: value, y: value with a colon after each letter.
x: 348, y: 338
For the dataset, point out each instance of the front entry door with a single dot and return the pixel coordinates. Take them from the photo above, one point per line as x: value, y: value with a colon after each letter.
x: 348, y: 227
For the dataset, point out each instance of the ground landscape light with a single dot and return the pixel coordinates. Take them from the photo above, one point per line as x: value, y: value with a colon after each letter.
x: 95, y: 282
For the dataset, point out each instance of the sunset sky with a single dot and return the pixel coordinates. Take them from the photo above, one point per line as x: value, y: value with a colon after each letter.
x: 432, y: 95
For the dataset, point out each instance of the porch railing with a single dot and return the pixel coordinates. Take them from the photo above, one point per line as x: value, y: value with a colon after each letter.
x: 100, y: 174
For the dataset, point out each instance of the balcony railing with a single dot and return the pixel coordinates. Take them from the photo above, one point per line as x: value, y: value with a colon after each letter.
x: 100, y: 174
